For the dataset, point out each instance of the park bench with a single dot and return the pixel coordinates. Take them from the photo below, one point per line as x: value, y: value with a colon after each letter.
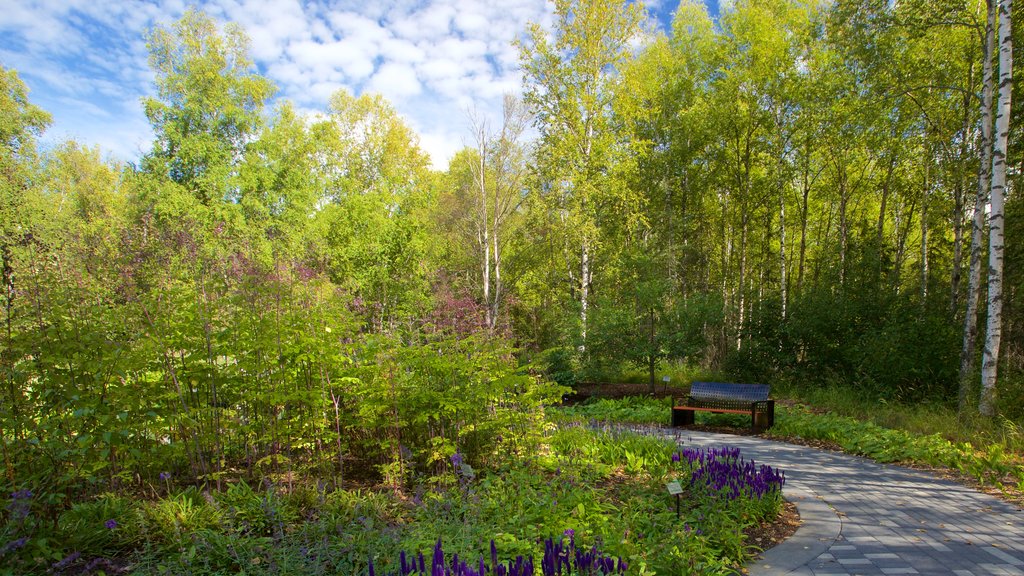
x: 726, y: 398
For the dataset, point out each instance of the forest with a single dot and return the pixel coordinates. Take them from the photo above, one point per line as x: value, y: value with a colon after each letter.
x: 296, y: 314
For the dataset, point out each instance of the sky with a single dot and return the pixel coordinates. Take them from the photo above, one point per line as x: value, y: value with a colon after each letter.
x: 85, y: 61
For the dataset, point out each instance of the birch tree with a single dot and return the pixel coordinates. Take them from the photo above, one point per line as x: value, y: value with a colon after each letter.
x: 568, y: 76
x: 980, y: 201
x: 499, y: 175
x: 994, y: 326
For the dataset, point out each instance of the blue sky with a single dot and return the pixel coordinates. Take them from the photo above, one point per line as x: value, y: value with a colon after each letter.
x: 84, y: 61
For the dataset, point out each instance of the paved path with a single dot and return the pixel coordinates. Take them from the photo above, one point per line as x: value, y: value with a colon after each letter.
x: 861, y: 517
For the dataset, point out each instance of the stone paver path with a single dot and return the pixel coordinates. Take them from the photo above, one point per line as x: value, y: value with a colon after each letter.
x: 861, y: 517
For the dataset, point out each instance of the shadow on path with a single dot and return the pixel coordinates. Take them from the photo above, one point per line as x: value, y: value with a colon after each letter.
x: 862, y: 517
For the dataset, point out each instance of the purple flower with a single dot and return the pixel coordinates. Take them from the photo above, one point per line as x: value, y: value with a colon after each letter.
x: 165, y: 476
x: 675, y: 456
x: 457, y: 459
x: 110, y: 524
x: 13, y: 545
x: 68, y: 560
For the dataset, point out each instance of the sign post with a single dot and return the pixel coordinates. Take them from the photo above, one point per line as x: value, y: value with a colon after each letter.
x: 675, y: 489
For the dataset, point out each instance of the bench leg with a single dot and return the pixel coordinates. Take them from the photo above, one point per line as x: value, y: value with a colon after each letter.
x: 761, y: 421
x: 682, y: 417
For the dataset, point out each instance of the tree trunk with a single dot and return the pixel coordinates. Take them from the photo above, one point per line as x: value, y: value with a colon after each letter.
x: 806, y: 189
x: 484, y: 221
x: 782, y: 249
x: 960, y: 200
x: 742, y: 278
x: 585, y: 273
x: 989, y: 367
x: 978, y: 220
x: 880, y: 230
x: 843, y: 229
x: 924, y: 223
x: 652, y: 358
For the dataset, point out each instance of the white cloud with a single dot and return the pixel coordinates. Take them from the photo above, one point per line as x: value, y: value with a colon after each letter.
x: 86, y: 59
x: 441, y: 146
x: 396, y: 82
x: 472, y: 22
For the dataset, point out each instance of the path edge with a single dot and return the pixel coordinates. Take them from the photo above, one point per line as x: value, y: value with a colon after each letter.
x: 819, y: 529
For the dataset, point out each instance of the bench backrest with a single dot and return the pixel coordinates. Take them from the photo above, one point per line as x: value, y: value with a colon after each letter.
x: 729, y: 391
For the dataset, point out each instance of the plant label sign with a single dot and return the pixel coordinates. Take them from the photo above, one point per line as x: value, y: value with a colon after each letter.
x: 674, y: 488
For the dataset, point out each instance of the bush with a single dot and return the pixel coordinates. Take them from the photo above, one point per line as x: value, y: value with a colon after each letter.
x: 878, y: 341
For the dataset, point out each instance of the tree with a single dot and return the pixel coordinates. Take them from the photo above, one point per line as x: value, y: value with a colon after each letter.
x: 375, y: 195
x: 970, y: 332
x: 20, y: 124
x: 499, y: 174
x: 568, y: 85
x: 209, y: 103
x: 996, y: 219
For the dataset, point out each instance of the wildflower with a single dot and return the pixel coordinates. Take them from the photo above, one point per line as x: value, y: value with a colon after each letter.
x: 67, y: 561
x: 13, y: 545
x: 457, y: 459
x: 110, y: 524
x: 165, y: 476
x: 675, y: 457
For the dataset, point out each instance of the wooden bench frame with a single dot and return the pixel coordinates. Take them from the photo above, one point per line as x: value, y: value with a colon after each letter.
x: 726, y: 398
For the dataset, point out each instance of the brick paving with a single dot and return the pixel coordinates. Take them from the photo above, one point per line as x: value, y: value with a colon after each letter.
x: 864, y: 518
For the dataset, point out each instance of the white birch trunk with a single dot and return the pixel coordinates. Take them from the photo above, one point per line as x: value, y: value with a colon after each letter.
x: 924, y: 224
x: 990, y: 362
x: 584, y: 292
x: 485, y: 222
x: 978, y: 219
x: 585, y: 268
x: 783, y: 281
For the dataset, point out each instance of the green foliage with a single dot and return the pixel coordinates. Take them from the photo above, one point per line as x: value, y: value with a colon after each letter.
x: 268, y: 299
x: 108, y: 525
x: 632, y: 409
x: 878, y: 341
x: 992, y: 466
x: 209, y: 103
x: 606, y: 485
x: 172, y: 524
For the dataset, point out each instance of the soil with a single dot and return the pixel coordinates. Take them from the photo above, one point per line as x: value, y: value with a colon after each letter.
x: 771, y: 534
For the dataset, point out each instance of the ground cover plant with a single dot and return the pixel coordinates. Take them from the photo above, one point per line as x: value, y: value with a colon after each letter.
x: 585, y: 497
x: 991, y: 458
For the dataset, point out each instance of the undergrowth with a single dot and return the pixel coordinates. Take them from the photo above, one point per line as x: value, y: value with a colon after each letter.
x: 921, y: 418
x: 605, y: 487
